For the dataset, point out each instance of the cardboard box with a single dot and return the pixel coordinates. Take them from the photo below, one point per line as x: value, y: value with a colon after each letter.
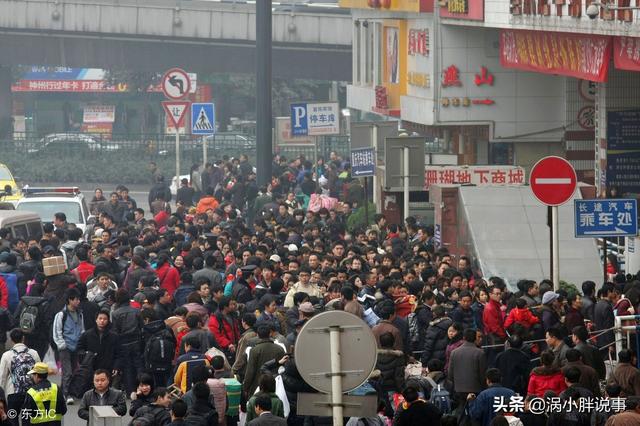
x: 53, y: 266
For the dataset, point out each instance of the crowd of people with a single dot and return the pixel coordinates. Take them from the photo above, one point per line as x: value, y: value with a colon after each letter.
x: 191, y: 317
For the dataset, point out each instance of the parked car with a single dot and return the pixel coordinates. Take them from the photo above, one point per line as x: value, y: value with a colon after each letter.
x: 71, y: 143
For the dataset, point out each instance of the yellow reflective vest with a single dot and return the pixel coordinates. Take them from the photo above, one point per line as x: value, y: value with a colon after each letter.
x: 42, y: 415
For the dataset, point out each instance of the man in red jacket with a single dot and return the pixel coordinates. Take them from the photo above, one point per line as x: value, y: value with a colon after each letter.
x: 493, y: 319
x: 225, y: 327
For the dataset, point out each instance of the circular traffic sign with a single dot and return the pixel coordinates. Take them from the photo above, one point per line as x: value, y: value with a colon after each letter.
x: 553, y: 181
x: 176, y: 84
x: 358, y: 351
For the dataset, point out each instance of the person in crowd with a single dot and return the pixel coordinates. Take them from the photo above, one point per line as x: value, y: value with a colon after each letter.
x: 546, y: 377
x: 156, y: 413
x: 467, y: 366
x: 102, y: 394
x: 45, y: 396
x: 626, y: 375
x: 482, y: 405
x: 143, y: 394
x: 100, y: 340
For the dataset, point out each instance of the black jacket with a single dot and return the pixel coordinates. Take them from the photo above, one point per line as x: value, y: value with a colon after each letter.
x: 464, y: 317
x: 515, y: 367
x: 160, y: 415
x: 203, y: 411
x: 102, y: 344
x: 436, y: 340
x: 241, y: 291
x: 604, y: 319
x: 159, y: 191
x: 126, y: 323
x: 417, y: 414
x: 391, y: 364
x: 112, y: 398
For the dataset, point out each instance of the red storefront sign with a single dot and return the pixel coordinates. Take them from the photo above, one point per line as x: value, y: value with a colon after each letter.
x: 574, y: 55
x: 626, y: 53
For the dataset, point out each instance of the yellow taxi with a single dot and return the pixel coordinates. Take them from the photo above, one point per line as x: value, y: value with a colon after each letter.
x: 6, y: 179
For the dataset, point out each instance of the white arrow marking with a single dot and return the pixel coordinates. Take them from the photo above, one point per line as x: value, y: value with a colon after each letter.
x: 552, y: 181
x: 618, y: 231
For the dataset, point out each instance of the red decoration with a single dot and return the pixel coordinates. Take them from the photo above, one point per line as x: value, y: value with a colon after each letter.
x: 485, y: 77
x: 385, y: 3
x: 381, y: 97
x: 451, y: 77
x: 584, y: 56
x: 483, y: 102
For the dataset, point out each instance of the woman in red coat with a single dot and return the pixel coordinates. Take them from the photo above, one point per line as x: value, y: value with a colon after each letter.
x: 546, y: 377
x: 168, y: 276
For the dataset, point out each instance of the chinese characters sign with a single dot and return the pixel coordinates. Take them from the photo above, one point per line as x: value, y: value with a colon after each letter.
x: 474, y: 175
x: 315, y: 119
x: 418, y: 42
x: 574, y: 55
x: 99, y: 114
x: 451, y: 78
x: 363, y: 163
x: 462, y: 9
x: 626, y: 53
x: 623, y: 150
x: 606, y: 218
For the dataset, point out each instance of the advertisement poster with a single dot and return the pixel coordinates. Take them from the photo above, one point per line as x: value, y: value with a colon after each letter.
x: 393, y: 48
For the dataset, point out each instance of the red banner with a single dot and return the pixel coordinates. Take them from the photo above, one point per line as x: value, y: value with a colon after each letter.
x: 574, y: 55
x: 626, y: 53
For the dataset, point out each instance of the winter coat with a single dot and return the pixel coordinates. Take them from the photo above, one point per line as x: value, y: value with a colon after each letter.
x: 126, y: 323
x: 417, y: 413
x: 294, y: 384
x: 515, y: 367
x: 206, y: 203
x: 493, y: 320
x: 265, y: 350
x: 604, y: 319
x: 467, y: 367
x: 523, y: 317
x: 169, y: 277
x: 482, y: 407
x: 224, y: 332
x: 464, y: 317
x: 102, y: 344
x: 453, y: 345
x: 550, y: 318
x: 391, y: 364
x: 543, y: 379
x: 436, y: 340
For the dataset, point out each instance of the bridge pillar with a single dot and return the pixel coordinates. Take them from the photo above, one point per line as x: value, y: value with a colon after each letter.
x: 6, y: 102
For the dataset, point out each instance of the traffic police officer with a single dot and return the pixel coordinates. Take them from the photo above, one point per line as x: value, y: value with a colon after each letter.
x: 43, y: 404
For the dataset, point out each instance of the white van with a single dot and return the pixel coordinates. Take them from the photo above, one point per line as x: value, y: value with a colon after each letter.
x: 22, y: 224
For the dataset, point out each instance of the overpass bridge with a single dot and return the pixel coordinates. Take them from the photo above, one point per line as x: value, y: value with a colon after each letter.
x: 152, y: 35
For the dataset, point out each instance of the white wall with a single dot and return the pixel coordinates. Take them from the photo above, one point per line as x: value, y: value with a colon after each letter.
x: 524, y: 102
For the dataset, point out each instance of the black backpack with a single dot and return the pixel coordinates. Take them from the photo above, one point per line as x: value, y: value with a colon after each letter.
x: 31, y: 313
x: 159, y: 351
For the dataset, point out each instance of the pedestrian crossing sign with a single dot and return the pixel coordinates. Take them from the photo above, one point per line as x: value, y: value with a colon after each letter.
x: 203, y: 119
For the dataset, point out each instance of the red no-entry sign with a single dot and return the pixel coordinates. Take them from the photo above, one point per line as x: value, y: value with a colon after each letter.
x: 553, y: 181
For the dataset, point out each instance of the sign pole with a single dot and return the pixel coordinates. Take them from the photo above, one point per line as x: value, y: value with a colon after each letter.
x: 556, y: 251
x: 550, y: 226
x: 336, y: 375
x: 604, y: 259
x: 374, y: 185
x: 366, y: 202
x: 177, y: 155
x: 204, y: 150
x: 405, y: 173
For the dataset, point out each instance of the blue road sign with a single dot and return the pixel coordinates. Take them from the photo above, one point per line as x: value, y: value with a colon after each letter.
x: 203, y: 119
x: 299, y: 120
x: 363, y: 162
x: 606, y: 218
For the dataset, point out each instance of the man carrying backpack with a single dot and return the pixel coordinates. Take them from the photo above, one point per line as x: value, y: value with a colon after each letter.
x: 156, y: 413
x: 30, y: 318
x: 159, y: 348
x: 14, y: 366
x: 68, y: 325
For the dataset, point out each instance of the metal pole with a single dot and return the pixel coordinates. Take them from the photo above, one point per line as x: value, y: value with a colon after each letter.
x: 604, y: 260
x: 550, y: 226
x: 178, y: 156
x: 405, y: 177
x: 336, y: 375
x: 204, y: 150
x: 366, y: 202
x: 556, y: 251
x: 264, y: 148
x: 374, y: 143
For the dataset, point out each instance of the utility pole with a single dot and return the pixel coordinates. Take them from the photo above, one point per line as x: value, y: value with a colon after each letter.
x: 264, y: 149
